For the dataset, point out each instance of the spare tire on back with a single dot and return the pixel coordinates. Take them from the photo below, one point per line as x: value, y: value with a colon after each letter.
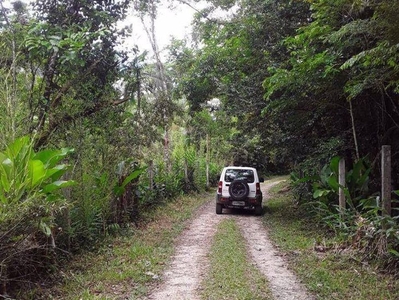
x: 239, y: 189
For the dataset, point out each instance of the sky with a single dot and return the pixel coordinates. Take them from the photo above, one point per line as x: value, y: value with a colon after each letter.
x: 174, y: 22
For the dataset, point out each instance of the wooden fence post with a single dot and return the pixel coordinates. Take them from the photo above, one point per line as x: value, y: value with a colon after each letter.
x: 207, y: 159
x: 342, y: 184
x: 386, y: 187
x: 151, y: 174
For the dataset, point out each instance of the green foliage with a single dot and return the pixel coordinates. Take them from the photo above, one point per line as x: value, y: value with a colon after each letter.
x: 134, y: 258
x: 362, y: 223
x: 90, y: 218
x: 347, y: 52
x: 119, y: 190
x: 376, y: 235
x: 325, y: 185
x: 30, y: 198
x: 98, y: 153
x: 64, y: 90
x: 371, y: 233
x: 231, y: 65
x: 326, y: 263
x: 328, y: 180
x: 282, y: 70
x: 43, y: 39
x: 26, y: 175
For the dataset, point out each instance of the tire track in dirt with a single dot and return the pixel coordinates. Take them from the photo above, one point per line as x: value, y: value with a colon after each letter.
x: 283, y: 283
x: 189, y: 264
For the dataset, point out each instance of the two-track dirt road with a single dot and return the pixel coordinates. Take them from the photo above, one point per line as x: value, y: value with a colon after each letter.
x: 189, y: 264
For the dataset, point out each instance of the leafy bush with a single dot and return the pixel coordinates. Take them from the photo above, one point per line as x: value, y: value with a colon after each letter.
x: 361, y: 224
x: 377, y: 235
x: 29, y: 200
x: 325, y: 185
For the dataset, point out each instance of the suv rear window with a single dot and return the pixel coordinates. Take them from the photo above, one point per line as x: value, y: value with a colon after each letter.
x: 232, y: 174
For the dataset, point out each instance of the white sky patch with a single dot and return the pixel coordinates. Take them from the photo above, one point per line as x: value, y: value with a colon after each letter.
x: 169, y: 23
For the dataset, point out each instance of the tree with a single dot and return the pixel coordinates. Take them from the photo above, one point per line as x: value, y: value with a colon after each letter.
x: 162, y: 89
x: 12, y: 33
x: 232, y: 63
x: 73, y: 64
x: 339, y: 83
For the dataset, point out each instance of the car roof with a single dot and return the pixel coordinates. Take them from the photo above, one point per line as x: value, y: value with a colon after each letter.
x: 239, y: 168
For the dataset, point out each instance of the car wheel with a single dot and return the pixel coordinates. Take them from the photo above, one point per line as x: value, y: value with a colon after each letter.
x: 258, y: 210
x: 219, y: 209
x: 239, y: 189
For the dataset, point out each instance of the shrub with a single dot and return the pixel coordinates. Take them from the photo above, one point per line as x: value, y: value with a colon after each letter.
x: 361, y: 224
x: 29, y: 199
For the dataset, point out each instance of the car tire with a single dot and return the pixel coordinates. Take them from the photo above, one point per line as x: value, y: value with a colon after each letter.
x: 258, y: 210
x: 239, y: 189
x: 219, y: 209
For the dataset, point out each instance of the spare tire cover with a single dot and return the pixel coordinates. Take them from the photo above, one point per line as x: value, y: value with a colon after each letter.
x: 239, y: 189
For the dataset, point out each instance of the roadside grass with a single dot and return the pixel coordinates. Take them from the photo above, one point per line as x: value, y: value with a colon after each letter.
x: 328, y: 273
x: 231, y: 275
x: 127, y: 266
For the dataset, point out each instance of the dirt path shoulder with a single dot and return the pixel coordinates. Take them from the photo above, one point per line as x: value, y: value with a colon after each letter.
x: 182, y: 279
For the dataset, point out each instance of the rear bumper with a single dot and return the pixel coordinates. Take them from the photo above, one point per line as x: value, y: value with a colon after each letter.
x: 247, y: 203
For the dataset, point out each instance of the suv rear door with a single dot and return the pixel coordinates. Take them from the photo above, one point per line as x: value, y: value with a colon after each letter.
x: 230, y: 174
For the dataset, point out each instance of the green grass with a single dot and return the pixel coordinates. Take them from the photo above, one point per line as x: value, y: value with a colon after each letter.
x: 127, y: 267
x: 331, y: 274
x: 231, y: 275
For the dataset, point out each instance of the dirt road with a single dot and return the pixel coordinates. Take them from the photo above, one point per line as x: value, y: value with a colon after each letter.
x: 182, y: 279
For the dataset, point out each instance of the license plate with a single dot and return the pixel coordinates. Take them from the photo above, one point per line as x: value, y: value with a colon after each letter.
x: 238, y: 203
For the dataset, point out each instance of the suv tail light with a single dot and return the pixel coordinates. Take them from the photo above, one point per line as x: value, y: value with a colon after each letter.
x: 220, y: 187
x: 258, y: 192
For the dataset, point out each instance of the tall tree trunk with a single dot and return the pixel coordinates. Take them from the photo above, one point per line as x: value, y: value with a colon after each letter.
x: 354, y: 130
x: 11, y: 96
x: 163, y: 87
x: 207, y: 159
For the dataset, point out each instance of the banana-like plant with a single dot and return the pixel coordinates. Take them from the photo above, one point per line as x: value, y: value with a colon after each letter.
x: 28, y: 178
x: 30, y: 183
x: 356, y: 188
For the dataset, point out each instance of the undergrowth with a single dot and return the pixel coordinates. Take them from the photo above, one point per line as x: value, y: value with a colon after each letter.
x: 125, y: 267
x: 322, y: 259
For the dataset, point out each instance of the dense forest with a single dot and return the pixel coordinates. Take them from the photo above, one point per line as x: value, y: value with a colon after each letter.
x: 94, y: 134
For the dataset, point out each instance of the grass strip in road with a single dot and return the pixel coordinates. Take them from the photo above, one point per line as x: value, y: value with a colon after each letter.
x: 231, y: 275
x: 126, y: 267
x: 328, y: 274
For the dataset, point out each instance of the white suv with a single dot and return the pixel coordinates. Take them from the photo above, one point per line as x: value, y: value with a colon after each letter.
x: 239, y: 187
